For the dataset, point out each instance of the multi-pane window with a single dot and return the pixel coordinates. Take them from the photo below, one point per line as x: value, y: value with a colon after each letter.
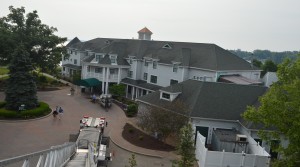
x: 64, y: 69
x: 88, y: 69
x: 75, y: 61
x: 130, y: 60
x: 175, y: 67
x: 153, y: 79
x: 98, y: 70
x: 112, y: 71
x: 146, y: 63
x: 145, y: 76
x: 75, y: 53
x: 113, y: 59
x: 166, y: 96
x: 98, y: 57
x: 173, y: 82
x: 130, y: 74
x: 154, y: 64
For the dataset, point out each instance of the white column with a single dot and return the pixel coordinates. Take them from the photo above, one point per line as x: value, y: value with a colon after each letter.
x: 137, y: 93
x: 126, y: 91
x: 132, y: 92
x: 103, y: 79
x: 119, y: 75
x: 107, y: 73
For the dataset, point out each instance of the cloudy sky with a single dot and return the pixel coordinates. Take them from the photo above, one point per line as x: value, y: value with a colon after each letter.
x: 231, y: 24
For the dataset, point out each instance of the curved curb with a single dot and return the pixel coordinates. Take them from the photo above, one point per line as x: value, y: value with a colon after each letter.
x: 136, y: 152
x: 25, y: 120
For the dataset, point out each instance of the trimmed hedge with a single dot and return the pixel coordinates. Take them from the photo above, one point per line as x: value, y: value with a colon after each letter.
x: 40, y: 111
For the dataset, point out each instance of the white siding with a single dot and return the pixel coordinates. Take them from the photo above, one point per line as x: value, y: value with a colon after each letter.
x: 198, y: 74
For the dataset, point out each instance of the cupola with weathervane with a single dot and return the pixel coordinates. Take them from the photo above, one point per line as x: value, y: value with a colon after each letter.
x: 145, y: 34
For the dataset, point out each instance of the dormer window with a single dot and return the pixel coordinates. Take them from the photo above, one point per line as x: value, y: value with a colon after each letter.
x: 98, y: 57
x: 146, y: 63
x: 165, y: 96
x: 167, y: 46
x: 113, y: 59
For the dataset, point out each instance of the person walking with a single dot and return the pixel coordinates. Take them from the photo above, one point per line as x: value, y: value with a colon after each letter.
x: 54, y: 113
x: 60, y: 111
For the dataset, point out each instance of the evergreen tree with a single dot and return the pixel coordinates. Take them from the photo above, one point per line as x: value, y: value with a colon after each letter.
x: 21, y: 87
x: 186, y: 147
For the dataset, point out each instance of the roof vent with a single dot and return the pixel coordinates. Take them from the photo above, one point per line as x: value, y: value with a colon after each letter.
x: 167, y: 46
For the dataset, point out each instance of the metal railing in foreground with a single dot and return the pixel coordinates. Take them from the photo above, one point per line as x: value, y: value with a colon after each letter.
x: 56, y: 156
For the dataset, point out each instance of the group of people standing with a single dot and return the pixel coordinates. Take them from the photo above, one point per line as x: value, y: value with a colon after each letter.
x: 58, y: 112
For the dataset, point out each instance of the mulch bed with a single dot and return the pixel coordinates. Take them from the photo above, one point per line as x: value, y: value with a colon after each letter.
x: 141, y: 139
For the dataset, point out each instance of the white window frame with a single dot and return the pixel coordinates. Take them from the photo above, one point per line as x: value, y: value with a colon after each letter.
x: 162, y: 96
x: 113, y: 59
x: 154, y: 64
x: 98, y: 70
x: 130, y: 74
x: 151, y: 79
x: 145, y: 76
x: 175, y: 67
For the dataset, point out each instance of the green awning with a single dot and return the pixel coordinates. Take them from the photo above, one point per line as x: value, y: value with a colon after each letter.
x: 90, y: 82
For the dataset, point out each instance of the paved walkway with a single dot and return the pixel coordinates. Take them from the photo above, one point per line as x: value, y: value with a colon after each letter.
x: 21, y: 137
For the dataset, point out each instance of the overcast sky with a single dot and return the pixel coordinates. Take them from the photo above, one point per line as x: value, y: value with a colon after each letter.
x: 231, y: 24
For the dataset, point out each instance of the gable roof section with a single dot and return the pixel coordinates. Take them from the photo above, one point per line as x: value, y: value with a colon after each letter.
x: 73, y: 41
x: 196, y: 55
x: 210, y: 100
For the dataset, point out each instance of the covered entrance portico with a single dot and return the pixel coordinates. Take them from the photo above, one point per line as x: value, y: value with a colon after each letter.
x: 137, y: 88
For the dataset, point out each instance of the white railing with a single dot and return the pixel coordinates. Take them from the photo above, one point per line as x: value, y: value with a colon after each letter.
x: 220, y: 159
x: 99, y: 76
x: 57, y: 156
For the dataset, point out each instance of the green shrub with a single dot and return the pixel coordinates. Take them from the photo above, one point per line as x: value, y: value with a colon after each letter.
x: 132, y: 110
x: 42, y: 79
x: 130, y: 130
x: 42, y: 110
x: 2, y: 104
x: 4, y: 70
x: 141, y: 137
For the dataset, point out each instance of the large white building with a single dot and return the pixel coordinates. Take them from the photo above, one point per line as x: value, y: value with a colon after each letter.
x: 145, y: 65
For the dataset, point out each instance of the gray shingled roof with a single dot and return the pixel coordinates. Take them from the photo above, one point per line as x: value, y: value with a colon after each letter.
x: 72, y: 66
x: 210, y: 99
x: 199, y: 55
x: 141, y: 83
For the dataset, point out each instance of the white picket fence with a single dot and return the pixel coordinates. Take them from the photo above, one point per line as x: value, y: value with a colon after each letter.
x: 208, y: 158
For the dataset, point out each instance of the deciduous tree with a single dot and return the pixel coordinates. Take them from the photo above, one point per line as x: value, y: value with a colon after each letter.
x: 45, y: 49
x: 165, y: 120
x: 280, y: 109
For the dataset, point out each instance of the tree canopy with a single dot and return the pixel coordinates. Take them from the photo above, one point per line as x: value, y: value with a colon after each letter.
x: 280, y: 109
x: 45, y: 49
x: 165, y: 120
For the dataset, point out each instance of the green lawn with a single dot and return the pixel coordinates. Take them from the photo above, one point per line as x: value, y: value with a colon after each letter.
x: 3, y: 70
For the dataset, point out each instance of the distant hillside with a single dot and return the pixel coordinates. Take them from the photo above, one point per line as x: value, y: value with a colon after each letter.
x: 263, y: 55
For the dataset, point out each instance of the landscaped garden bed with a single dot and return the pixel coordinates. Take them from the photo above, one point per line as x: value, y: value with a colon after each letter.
x: 141, y: 139
x: 42, y: 110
